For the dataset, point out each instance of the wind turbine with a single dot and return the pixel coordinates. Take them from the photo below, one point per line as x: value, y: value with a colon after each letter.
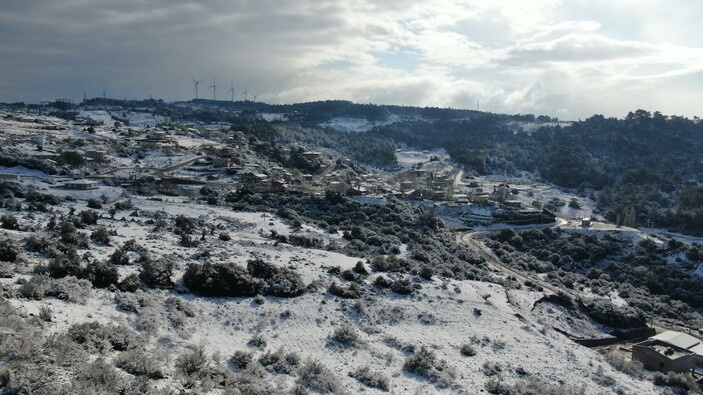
x: 195, y: 86
x: 245, y: 92
x: 254, y: 97
x: 214, y: 89
x: 231, y: 89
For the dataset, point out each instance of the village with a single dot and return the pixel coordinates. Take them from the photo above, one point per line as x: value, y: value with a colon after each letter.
x: 98, y: 156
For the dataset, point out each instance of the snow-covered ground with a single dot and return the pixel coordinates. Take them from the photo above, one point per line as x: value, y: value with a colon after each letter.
x: 443, y: 315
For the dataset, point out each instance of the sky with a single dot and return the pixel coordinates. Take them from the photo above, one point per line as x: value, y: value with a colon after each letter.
x: 568, y: 59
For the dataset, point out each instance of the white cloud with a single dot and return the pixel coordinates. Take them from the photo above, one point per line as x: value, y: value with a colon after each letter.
x: 542, y: 56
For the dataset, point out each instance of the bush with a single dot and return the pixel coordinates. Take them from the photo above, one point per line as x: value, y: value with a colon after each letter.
x: 371, y: 378
x: 65, y: 264
x: 280, y: 362
x: 468, y: 350
x: 130, y: 283
x: 139, y: 363
x: 257, y: 341
x: 221, y: 279
x: 403, y: 286
x: 36, y: 287
x: 36, y: 244
x: 241, y: 359
x: 102, y: 338
x: 228, y: 279
x: 95, y: 203
x: 88, y: 217
x: 9, y: 250
x: 101, y: 274
x: 156, y: 273
x: 314, y: 375
x: 192, y: 361
x: 101, y: 235
x: 10, y: 222
x: 350, y: 292
x: 70, y: 288
x: 681, y: 381
x: 424, y: 363
x: 345, y: 336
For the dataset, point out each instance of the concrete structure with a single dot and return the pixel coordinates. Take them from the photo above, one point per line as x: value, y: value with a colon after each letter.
x: 669, y: 351
x: 81, y: 184
x: 660, y: 356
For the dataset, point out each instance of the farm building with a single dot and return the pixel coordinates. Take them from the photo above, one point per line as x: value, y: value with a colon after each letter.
x: 669, y: 351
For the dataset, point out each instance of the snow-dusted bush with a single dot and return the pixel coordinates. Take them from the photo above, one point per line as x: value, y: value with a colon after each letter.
x: 403, y: 286
x: 350, y: 292
x: 221, y: 279
x: 156, y: 273
x: 36, y: 243
x: 101, y: 235
x: 36, y: 287
x: 344, y: 336
x: 9, y: 250
x: 192, y: 361
x: 140, y: 363
x: 101, y: 274
x: 9, y: 221
x: 257, y: 341
x: 314, y: 375
x: 424, y: 363
x: 681, y: 381
x: 370, y: 378
x: 468, y: 350
x: 382, y: 282
x: 241, y: 359
x: 280, y: 361
x: 94, y: 336
x: 130, y: 283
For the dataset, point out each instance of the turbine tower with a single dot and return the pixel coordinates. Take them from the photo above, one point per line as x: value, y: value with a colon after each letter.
x: 214, y: 89
x: 195, y: 86
x: 231, y: 89
x: 245, y: 92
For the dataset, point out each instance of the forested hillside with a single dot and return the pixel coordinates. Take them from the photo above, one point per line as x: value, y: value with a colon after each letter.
x: 649, y: 162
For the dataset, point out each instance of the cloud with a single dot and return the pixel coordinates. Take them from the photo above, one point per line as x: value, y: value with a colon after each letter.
x: 542, y: 56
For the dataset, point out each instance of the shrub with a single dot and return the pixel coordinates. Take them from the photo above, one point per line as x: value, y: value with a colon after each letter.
x: 221, y: 279
x: 424, y: 363
x: 65, y: 264
x: 382, y: 282
x: 95, y: 203
x: 96, y: 336
x: 468, y: 350
x: 257, y: 341
x: 624, y: 364
x: 130, y: 283
x: 156, y: 273
x: 681, y: 381
x: 344, y: 336
x: 36, y: 244
x: 280, y: 362
x: 9, y: 221
x: 350, y: 292
x: 403, y: 286
x: 101, y: 235
x: 9, y: 250
x: 101, y: 274
x: 281, y: 282
x: 88, y: 217
x: 314, y: 375
x: 120, y: 257
x: 139, y: 363
x: 360, y: 268
x: 36, y: 287
x: 70, y: 288
x: 369, y: 378
x: 192, y: 361
x: 241, y: 359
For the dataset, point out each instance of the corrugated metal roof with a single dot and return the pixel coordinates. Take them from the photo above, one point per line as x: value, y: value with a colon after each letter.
x: 678, y: 339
